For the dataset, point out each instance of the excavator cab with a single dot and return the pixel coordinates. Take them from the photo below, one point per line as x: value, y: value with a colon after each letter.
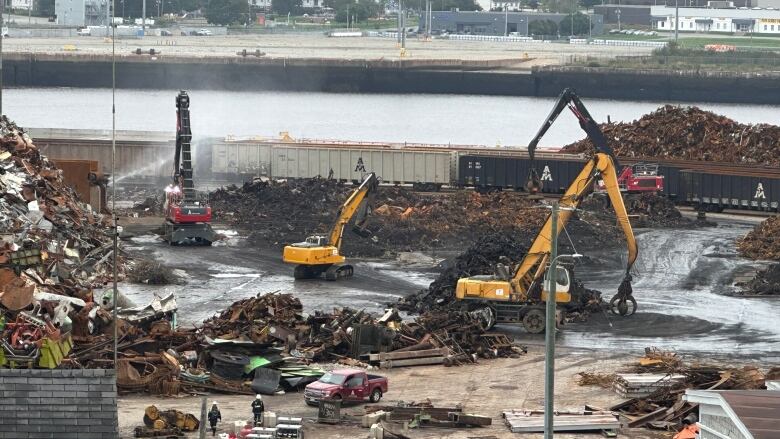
x: 562, y: 284
x: 313, y: 241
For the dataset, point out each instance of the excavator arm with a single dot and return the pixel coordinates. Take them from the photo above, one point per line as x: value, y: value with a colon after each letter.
x: 567, y: 98
x: 604, y: 165
x: 530, y: 272
x: 357, y: 204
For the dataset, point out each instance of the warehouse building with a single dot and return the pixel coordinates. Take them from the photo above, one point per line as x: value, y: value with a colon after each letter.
x: 499, y: 23
x: 81, y: 12
x: 624, y: 14
x: 765, y: 21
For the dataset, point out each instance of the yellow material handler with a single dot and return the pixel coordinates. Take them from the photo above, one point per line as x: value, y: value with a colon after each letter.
x: 518, y: 298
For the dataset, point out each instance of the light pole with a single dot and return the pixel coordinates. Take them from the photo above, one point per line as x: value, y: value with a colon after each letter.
x: 2, y: 37
x: 676, y: 18
x: 506, y: 18
x: 549, y: 336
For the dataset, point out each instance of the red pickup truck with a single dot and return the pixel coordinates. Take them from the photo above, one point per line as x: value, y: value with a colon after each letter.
x: 346, y: 385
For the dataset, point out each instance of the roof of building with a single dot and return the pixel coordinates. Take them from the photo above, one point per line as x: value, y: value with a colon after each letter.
x: 716, y: 13
x: 758, y: 411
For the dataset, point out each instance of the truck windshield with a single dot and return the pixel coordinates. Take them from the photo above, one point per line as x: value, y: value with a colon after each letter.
x: 331, y: 378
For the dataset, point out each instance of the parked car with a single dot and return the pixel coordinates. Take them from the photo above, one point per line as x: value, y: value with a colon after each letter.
x: 84, y: 32
x: 166, y: 33
x: 203, y: 33
x: 346, y: 385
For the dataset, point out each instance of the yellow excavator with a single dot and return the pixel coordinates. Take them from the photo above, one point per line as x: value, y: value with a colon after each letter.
x: 518, y: 298
x: 322, y: 254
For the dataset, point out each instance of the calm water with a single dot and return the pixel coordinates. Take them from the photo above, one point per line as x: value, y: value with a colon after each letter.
x: 485, y: 120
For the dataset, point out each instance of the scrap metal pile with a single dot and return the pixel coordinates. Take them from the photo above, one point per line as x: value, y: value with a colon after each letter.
x: 662, y: 406
x: 645, y: 209
x: 402, y: 220
x: 267, y: 343
x: 54, y: 250
x: 763, y: 242
x: 481, y: 259
x: 765, y: 283
x: 690, y: 133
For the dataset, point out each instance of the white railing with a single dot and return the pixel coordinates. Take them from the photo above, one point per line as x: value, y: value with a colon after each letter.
x: 630, y: 43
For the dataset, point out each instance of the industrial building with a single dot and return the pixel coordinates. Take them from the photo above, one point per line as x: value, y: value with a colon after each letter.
x: 717, y: 20
x: 624, y: 14
x: 21, y: 4
x: 499, y: 23
x: 81, y: 12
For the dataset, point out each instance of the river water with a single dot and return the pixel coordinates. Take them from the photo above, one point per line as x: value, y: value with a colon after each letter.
x: 482, y: 120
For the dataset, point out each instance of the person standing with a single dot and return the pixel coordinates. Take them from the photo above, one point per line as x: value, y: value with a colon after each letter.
x: 257, y: 409
x: 214, y: 417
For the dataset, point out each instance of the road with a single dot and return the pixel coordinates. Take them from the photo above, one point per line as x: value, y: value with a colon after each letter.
x: 317, y: 45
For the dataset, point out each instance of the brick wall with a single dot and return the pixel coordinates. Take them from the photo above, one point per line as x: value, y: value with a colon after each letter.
x: 59, y: 403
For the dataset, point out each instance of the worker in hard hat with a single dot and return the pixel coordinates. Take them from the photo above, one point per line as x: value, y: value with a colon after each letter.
x: 214, y: 417
x: 257, y: 409
x: 689, y: 430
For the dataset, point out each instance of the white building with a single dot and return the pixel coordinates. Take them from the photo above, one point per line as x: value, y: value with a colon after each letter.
x: 737, y: 414
x: 21, y: 4
x: 717, y: 20
x: 266, y: 4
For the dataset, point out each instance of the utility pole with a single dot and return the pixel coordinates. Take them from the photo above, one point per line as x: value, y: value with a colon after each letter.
x: 676, y: 18
x: 549, y: 336
x: 143, y: 18
x: 506, y: 18
x: 108, y: 19
x: 29, y: 12
x: 403, y: 27
x: 2, y: 37
x: 399, y: 23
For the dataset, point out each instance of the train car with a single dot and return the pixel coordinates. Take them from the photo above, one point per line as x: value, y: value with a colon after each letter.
x: 715, y: 191
x: 486, y: 173
x: 140, y: 158
x: 425, y: 169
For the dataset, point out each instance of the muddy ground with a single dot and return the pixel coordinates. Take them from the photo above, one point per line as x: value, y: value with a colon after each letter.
x: 486, y: 388
x: 681, y: 282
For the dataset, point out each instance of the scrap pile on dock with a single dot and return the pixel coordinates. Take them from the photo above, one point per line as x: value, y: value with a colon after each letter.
x: 690, y: 133
x: 645, y: 210
x: 763, y: 242
x: 482, y: 258
x: 267, y: 343
x: 654, y: 387
x: 54, y: 251
x: 765, y: 283
x: 402, y: 220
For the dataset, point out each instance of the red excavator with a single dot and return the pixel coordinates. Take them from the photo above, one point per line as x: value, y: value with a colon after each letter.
x: 187, y: 216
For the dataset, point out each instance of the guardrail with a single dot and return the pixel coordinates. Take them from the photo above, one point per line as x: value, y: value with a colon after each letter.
x: 630, y: 43
x: 495, y: 38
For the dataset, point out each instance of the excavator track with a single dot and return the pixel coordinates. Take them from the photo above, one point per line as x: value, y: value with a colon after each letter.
x: 309, y: 271
x: 338, y: 271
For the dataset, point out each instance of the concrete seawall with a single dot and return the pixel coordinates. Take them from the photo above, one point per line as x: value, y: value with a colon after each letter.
x: 494, y: 77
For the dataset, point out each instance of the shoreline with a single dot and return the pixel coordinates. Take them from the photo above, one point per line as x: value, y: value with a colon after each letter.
x: 378, y: 76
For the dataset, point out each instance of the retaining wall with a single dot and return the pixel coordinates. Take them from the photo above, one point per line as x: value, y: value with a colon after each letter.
x: 59, y: 403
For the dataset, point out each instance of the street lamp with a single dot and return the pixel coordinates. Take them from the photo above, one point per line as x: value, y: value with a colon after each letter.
x: 549, y: 336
